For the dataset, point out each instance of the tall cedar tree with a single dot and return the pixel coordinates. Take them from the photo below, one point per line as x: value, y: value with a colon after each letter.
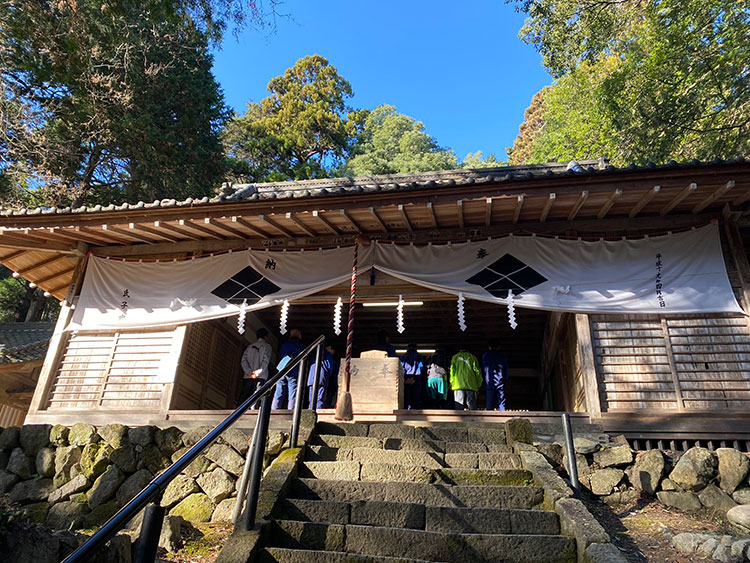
x: 642, y: 81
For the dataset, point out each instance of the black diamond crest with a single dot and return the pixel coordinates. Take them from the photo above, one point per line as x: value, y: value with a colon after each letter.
x: 246, y: 285
x: 505, y: 274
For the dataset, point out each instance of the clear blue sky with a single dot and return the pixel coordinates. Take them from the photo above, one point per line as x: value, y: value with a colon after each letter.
x: 458, y: 67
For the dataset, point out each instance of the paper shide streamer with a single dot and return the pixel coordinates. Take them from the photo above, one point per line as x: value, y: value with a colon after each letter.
x: 400, y: 315
x: 461, y: 315
x: 337, y: 317
x: 241, y: 317
x: 284, y: 316
x: 511, y: 311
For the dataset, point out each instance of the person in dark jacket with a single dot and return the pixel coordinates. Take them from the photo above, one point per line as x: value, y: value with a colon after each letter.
x: 495, y: 372
x: 328, y: 371
x: 413, y: 364
x: 384, y: 343
x: 286, y: 388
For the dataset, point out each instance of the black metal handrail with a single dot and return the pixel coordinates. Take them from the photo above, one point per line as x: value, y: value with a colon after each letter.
x: 152, y: 521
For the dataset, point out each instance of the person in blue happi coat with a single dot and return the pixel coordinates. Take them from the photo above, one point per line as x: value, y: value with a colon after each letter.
x: 286, y: 388
x: 495, y: 372
x: 328, y: 371
x: 413, y: 364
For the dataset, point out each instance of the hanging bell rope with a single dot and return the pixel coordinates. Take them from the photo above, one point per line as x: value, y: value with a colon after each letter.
x: 344, y: 410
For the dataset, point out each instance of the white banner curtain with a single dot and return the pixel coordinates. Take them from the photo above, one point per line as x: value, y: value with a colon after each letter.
x: 674, y: 273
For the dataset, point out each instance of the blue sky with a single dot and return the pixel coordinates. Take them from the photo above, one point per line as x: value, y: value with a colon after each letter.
x: 457, y: 67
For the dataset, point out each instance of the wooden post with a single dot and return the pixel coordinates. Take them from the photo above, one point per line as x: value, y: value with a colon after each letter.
x: 588, y: 367
x: 57, y: 341
x: 672, y: 366
x: 739, y: 256
x: 176, y: 358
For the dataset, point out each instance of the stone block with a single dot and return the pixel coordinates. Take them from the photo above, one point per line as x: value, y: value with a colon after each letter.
x: 466, y: 448
x: 240, y: 546
x: 105, y: 486
x: 95, y: 459
x: 390, y: 514
x: 133, y: 485
x: 695, y: 469
x: 100, y: 514
x: 36, y: 490
x: 168, y: 440
x: 36, y: 512
x: 217, y: 484
x: 75, y: 485
x: 604, y: 481
x: 647, y: 471
x: 9, y: 438
x: 336, y: 470
x: 342, y: 428
x: 34, y: 437
x: 713, y: 497
x: 577, y: 521
x: 385, y: 472
x: 152, y: 458
x: 466, y: 520
x: 226, y: 458
x: 58, y: 435
x: 223, y: 510
x: 444, y: 434
x: 141, y: 435
x: 65, y: 458
x: 7, y: 480
x: 310, y: 535
x: 467, y: 460
x: 411, y: 444
x: 387, y: 430
x: 125, y: 458
x: 518, y: 430
x: 116, y: 435
x: 236, y: 438
x: 171, y: 529
x: 486, y: 435
x: 499, y: 461
x: 66, y: 515
x: 20, y: 464
x: 195, y: 508
x: 734, y: 467
x: 685, y: 501
x: 495, y: 477
x: 614, y: 456
x: 688, y: 542
x: 303, y: 510
x: 45, y: 462
x: 740, y: 515
x: 741, y: 496
x: 82, y: 434
x: 179, y: 488
x: 603, y: 553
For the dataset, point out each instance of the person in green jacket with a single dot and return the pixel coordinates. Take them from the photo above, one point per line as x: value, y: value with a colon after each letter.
x: 465, y: 379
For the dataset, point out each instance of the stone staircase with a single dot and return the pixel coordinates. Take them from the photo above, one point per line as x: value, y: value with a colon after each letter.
x: 397, y: 493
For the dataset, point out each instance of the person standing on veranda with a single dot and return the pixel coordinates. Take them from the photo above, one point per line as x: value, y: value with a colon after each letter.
x: 466, y: 380
x: 255, y: 361
x: 495, y: 372
x: 286, y: 388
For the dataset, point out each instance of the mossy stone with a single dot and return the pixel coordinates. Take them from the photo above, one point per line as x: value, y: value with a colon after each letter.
x: 199, y: 465
x: 58, y: 435
x: 169, y: 440
x: 36, y: 512
x: 194, y: 508
x: 153, y: 459
x: 518, y: 430
x: 116, y: 435
x: 10, y: 438
x: 82, y: 434
x: 79, y: 498
x: 124, y: 457
x: 94, y: 459
x: 101, y: 514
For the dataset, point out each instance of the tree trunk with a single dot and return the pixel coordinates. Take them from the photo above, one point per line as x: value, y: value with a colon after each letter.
x: 36, y: 308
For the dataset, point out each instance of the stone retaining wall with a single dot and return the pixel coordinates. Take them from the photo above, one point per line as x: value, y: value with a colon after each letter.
x: 78, y: 477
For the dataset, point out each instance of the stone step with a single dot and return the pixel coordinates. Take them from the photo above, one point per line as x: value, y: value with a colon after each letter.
x: 421, y: 517
x: 433, y: 459
x: 404, y: 473
x: 430, y: 546
x: 286, y: 555
x: 471, y: 496
x: 488, y: 434
x: 412, y: 444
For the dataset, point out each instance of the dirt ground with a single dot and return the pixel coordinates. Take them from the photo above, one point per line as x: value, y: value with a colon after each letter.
x: 202, y: 544
x: 643, y: 530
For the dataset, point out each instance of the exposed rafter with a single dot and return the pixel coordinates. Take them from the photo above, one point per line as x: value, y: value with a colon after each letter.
x: 350, y: 220
x: 250, y: 227
x: 140, y: 227
x: 713, y: 197
x: 547, y: 207
x: 41, y: 264
x: 224, y: 228
x: 405, y: 218
x: 305, y: 229
x: 579, y: 203
x: 460, y: 213
x: 184, y: 233
x: 488, y: 212
x: 319, y: 215
x: 614, y: 196
x: 128, y: 235
x: 275, y: 225
x: 190, y: 224
x: 519, y: 206
x: 676, y: 200
x: 377, y: 220
x: 644, y: 201
x: 431, y: 213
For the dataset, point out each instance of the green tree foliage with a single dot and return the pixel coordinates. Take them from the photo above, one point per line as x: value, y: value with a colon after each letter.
x: 21, y: 302
x: 109, y: 102
x: 300, y: 131
x: 640, y: 81
x: 390, y: 142
x: 477, y: 160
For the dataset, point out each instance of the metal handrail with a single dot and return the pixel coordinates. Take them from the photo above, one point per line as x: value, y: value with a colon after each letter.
x: 157, y: 486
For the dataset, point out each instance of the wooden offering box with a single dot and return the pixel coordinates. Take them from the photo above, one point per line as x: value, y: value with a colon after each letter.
x: 377, y: 384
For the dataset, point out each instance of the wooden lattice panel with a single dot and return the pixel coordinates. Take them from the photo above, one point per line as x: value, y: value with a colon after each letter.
x: 113, y: 370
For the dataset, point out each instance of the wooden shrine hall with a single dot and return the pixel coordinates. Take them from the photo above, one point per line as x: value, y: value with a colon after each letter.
x: 670, y: 376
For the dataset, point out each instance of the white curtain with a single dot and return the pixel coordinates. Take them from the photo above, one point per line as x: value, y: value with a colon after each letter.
x: 676, y: 273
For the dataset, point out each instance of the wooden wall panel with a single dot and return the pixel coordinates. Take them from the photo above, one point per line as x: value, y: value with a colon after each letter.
x: 114, y: 370
x: 685, y: 363
x: 11, y: 416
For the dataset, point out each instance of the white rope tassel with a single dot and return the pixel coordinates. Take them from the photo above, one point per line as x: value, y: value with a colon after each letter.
x: 400, y: 315
x: 337, y: 317
x: 284, y: 316
x: 511, y: 310
x: 461, y: 316
x: 241, y: 317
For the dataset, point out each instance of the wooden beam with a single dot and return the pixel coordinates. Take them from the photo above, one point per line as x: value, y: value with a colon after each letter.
x: 488, y: 212
x: 319, y: 215
x: 431, y: 213
x: 10, y: 241
x: 742, y: 196
x: 294, y: 219
x: 184, y: 233
x: 579, y: 203
x: 517, y: 212
x: 82, y: 234
x: 350, y: 220
x: 189, y: 224
x: 159, y: 233
x: 275, y: 225
x: 57, y: 341
x: 643, y: 202
x: 45, y: 262
x: 672, y: 367
x: 708, y: 200
x: 739, y: 257
x: 13, y: 255
x: 618, y: 226
x: 676, y: 200
x: 588, y: 367
x: 547, y: 207
x: 377, y: 220
x: 127, y: 235
x: 225, y: 228
x: 460, y: 213
x: 405, y: 218
x: 614, y: 196
x: 55, y: 276
x: 250, y: 227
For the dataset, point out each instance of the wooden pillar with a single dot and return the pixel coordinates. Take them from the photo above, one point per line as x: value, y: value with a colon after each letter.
x: 588, y: 367
x: 739, y: 257
x: 57, y: 341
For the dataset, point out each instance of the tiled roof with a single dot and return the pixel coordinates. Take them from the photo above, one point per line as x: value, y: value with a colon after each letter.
x: 24, y: 342
x: 372, y: 184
